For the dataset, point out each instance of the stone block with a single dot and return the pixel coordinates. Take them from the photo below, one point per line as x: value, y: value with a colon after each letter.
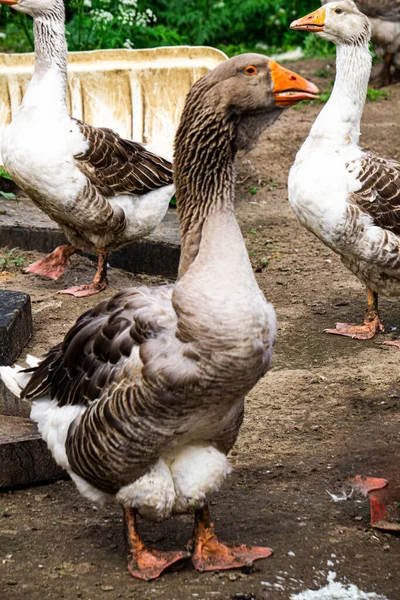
x: 15, y: 324
x: 11, y: 405
x: 24, y: 457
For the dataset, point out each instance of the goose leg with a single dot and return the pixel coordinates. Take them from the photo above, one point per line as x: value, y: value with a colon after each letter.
x: 53, y: 265
x: 143, y: 563
x: 99, y: 282
x: 372, y: 322
x: 209, y: 554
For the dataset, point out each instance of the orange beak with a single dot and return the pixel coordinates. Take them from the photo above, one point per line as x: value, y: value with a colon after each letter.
x: 9, y: 2
x: 315, y: 21
x: 290, y: 88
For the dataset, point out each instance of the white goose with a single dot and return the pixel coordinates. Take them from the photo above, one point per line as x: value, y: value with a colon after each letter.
x: 102, y: 190
x: 385, y: 21
x: 347, y: 197
x: 144, y: 398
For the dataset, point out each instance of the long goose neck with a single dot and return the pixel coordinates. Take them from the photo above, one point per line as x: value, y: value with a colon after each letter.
x: 340, y: 119
x: 49, y: 82
x: 204, y: 176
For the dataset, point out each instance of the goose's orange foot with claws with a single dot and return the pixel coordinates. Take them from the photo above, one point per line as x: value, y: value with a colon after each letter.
x: 53, y: 265
x: 209, y: 554
x: 80, y: 291
x: 358, y: 332
x: 212, y: 555
x: 149, y: 564
x: 143, y: 563
x: 395, y: 343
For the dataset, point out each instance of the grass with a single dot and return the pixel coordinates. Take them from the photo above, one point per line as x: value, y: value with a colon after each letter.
x: 8, y: 195
x: 374, y: 95
x: 9, y: 260
x: 4, y: 174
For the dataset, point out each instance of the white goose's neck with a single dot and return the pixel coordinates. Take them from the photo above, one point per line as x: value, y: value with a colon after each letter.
x: 339, y: 120
x: 49, y: 81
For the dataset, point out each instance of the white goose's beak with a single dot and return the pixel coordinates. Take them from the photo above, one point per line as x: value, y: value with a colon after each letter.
x: 315, y: 21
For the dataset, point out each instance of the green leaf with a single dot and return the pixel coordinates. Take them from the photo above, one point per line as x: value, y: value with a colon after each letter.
x: 4, y: 174
x: 8, y: 195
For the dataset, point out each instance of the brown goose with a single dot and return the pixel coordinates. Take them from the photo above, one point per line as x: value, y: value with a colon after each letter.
x: 144, y: 398
x: 104, y: 191
x: 347, y: 197
x: 385, y: 21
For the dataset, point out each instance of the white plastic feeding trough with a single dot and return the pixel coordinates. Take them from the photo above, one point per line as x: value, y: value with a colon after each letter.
x: 139, y: 93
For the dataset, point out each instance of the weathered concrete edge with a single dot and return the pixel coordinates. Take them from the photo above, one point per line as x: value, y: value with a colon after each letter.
x: 25, y: 462
x: 11, y: 405
x: 143, y: 256
x: 14, y: 338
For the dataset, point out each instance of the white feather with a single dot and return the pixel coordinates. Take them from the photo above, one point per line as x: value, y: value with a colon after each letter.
x: 196, y: 472
x: 14, y: 379
x: 153, y: 495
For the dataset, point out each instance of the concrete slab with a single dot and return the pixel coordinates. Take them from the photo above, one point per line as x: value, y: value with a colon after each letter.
x: 24, y: 226
x: 15, y: 324
x: 12, y: 406
x: 24, y: 457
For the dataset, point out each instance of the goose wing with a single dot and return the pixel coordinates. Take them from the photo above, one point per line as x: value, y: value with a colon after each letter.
x: 99, y: 349
x: 379, y: 195
x: 121, y: 360
x: 117, y: 166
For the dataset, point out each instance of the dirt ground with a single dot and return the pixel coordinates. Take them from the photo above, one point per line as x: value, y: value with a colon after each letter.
x: 328, y: 409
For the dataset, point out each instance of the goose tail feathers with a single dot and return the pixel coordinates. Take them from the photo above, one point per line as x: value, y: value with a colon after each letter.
x: 15, y: 378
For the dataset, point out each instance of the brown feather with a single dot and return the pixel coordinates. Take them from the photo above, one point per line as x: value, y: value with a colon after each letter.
x: 379, y: 195
x: 116, y: 166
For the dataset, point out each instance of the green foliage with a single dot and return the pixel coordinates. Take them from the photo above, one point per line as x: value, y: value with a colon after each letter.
x: 8, y: 195
x: 94, y: 24
x: 316, y: 47
x: 9, y: 260
x: 239, y: 24
x: 232, y: 25
x: 373, y: 95
x: 4, y: 174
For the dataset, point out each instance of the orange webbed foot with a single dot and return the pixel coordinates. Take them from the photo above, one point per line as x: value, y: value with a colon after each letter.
x: 358, y: 332
x: 150, y: 564
x: 53, y: 265
x: 395, y: 343
x: 212, y: 555
x: 209, y: 554
x: 81, y: 291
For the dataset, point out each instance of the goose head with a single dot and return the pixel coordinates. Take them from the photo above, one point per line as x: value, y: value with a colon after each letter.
x: 338, y: 22
x: 247, y: 93
x: 34, y: 8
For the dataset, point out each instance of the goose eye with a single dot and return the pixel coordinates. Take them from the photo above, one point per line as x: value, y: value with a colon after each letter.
x: 338, y: 11
x: 250, y: 70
